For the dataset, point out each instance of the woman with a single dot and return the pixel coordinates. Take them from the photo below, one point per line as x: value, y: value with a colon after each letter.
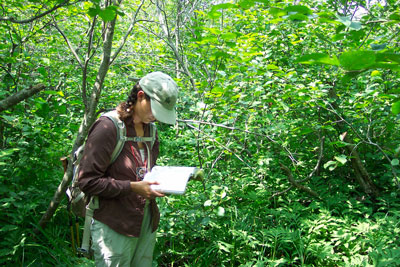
x: 124, y: 225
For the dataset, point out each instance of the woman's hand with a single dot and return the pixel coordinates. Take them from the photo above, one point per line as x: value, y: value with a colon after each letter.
x: 143, y: 188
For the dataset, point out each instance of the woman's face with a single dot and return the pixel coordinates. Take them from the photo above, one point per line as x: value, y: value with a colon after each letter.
x: 143, y: 109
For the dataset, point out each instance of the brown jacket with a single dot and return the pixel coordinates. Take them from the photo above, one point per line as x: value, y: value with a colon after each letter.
x: 120, y: 208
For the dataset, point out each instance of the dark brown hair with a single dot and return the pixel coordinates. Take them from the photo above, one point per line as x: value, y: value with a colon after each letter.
x: 125, y: 109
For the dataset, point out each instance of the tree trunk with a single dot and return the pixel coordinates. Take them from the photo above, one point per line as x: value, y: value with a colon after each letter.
x: 362, y: 175
x: 88, y: 119
x: 360, y: 172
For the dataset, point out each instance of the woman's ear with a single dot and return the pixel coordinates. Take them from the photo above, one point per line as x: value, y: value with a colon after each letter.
x: 140, y: 95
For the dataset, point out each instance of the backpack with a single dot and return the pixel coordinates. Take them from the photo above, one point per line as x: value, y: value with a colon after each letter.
x: 82, y: 205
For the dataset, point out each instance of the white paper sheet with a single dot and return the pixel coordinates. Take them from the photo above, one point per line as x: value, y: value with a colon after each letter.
x: 171, y: 179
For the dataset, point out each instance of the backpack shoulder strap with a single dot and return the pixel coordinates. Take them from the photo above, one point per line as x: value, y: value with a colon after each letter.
x: 121, y: 133
x: 151, y: 138
x: 153, y: 131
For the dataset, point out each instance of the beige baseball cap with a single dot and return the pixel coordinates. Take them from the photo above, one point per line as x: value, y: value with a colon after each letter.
x: 163, y: 92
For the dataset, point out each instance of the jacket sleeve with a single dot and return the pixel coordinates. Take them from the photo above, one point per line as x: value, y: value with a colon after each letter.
x: 93, y: 179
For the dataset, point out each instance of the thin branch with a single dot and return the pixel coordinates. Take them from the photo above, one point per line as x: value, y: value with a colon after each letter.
x: 24, y: 21
x: 163, y: 19
x: 366, y: 37
x: 226, y: 148
x: 396, y: 34
x: 128, y: 33
x: 377, y: 21
x: 296, y: 184
x: 237, y: 129
x: 68, y: 43
x: 368, y: 141
x: 226, y: 127
x: 87, y: 59
x: 318, y: 165
x: 282, y: 192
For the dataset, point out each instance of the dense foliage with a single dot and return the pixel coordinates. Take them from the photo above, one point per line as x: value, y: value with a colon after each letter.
x: 291, y: 108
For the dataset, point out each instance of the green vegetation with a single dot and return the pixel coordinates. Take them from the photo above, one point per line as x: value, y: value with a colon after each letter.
x: 292, y: 108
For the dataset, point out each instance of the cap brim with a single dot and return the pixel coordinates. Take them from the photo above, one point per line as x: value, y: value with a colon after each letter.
x: 162, y: 114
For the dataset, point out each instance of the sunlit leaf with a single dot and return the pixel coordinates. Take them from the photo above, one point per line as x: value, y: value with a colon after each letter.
x: 375, y: 73
x: 396, y: 108
x: 108, y: 14
x: 395, y: 16
x: 223, y: 6
x: 277, y: 12
x: 246, y: 4
x: 349, y: 23
x: 8, y: 152
x: 388, y: 57
x: 299, y: 9
x: 318, y: 58
x: 357, y: 60
x: 207, y: 203
x: 331, y: 165
x: 221, y: 211
x: 228, y: 36
x: 214, y: 14
x: 342, y: 159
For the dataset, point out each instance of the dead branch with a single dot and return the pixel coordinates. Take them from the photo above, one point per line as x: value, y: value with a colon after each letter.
x: 20, y: 96
x: 296, y: 184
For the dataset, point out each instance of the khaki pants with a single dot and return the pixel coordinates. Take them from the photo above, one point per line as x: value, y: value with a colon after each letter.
x: 113, y: 249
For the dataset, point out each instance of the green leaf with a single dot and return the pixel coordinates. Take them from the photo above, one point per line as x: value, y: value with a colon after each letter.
x: 328, y: 20
x: 207, y: 203
x: 246, y: 4
x: 93, y: 11
x: 42, y: 71
x: 8, y: 152
x: 388, y: 57
x: 356, y: 25
x: 396, y: 108
x: 221, y: 211
x: 299, y: 9
x: 223, y: 6
x: 214, y: 14
x: 108, y: 14
x: 395, y: 16
x: 318, y: 58
x: 331, y: 165
x: 342, y: 159
x: 357, y: 60
x: 298, y: 17
x: 377, y: 47
x: 53, y: 92
x: 277, y: 12
x: 9, y: 118
x: 349, y: 24
x: 8, y: 227
x: 389, y: 66
x: 376, y: 73
x: 395, y: 162
x: 272, y: 67
x: 228, y: 36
